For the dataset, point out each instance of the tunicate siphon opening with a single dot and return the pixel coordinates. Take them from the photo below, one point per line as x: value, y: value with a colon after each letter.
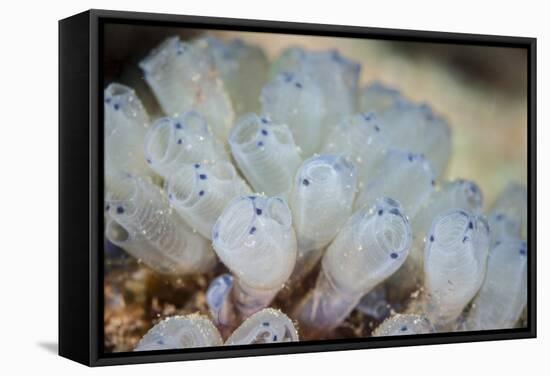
x: 235, y: 222
x: 279, y: 212
x: 116, y: 233
x: 245, y: 130
x: 158, y: 141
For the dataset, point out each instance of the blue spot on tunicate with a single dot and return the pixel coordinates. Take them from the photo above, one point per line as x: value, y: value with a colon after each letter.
x: 170, y: 196
x: 260, y: 143
x: 116, y: 106
x: 471, y: 226
x: 120, y: 210
x: 464, y: 239
x: 433, y: 183
x: 497, y: 242
x: 367, y: 116
x: 216, y: 235
x: 197, y: 165
x: 264, y: 132
x: 377, y: 128
x: 380, y: 212
x: 179, y: 141
x: 394, y: 255
x: 522, y: 252
x: 148, y: 160
x: 107, y: 100
x: 431, y: 238
x: 287, y: 76
x: 298, y: 85
x: 395, y: 212
x: 403, y: 328
x: 264, y: 120
x: 178, y: 125
x: 203, y: 176
x: 499, y: 217
x: 160, y: 342
x: 305, y: 182
x: 252, y: 230
x: 107, y: 207
x: 259, y: 211
x: 201, y: 193
x: 275, y: 337
x: 410, y: 157
x: 252, y: 197
x: 265, y: 323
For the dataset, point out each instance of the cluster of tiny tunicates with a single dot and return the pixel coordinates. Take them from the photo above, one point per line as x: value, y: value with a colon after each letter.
x: 286, y: 168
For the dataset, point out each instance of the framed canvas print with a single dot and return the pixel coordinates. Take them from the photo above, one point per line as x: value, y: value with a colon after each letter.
x: 236, y: 187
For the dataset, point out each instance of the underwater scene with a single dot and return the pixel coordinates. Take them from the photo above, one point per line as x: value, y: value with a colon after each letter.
x: 267, y: 188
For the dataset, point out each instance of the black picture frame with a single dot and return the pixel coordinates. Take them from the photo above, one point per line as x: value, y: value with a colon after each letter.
x: 81, y: 182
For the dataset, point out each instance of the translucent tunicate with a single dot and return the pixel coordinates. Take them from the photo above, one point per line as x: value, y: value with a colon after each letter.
x: 126, y: 123
x: 321, y: 202
x: 266, y: 326
x: 457, y: 194
x: 337, y: 76
x: 297, y: 102
x: 360, y: 138
x: 372, y: 245
x: 503, y: 295
x: 173, y: 142
x: 415, y: 127
x: 243, y: 69
x: 183, y: 77
x: 142, y: 223
x: 503, y: 228
x: 404, y: 324
x: 180, y: 332
x: 512, y: 202
x: 200, y: 192
x: 266, y: 154
x: 378, y: 98
x: 254, y: 238
x: 405, y: 177
x: 312, y: 91
x: 454, y: 264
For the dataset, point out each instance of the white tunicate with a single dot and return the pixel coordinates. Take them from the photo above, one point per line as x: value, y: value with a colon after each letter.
x: 266, y: 326
x: 405, y: 177
x: 415, y: 127
x: 183, y: 77
x: 126, y: 123
x: 455, y: 260
x: 180, y: 332
x: 512, y: 202
x: 218, y: 298
x: 321, y: 202
x: 336, y: 77
x: 254, y: 238
x: 457, y: 194
x: 378, y: 98
x: 360, y: 139
x: 299, y: 103
x: 503, y: 228
x: 243, y: 69
x: 404, y: 324
x: 266, y: 154
x: 503, y: 295
x: 173, y: 142
x: 372, y: 245
x: 200, y: 192
x: 142, y: 223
